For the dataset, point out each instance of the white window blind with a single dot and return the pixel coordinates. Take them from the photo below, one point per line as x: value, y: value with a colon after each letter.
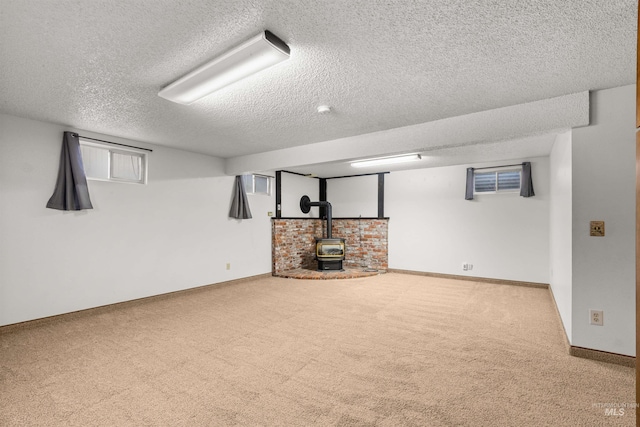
x: 497, y: 181
x: 96, y: 161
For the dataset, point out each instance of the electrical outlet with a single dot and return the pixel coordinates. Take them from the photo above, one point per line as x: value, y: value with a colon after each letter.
x: 465, y: 266
x: 596, y: 317
x: 269, y: 213
x: 228, y: 266
x: 470, y: 267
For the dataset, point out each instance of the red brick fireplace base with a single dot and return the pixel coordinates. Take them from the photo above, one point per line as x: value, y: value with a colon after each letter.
x: 293, y: 245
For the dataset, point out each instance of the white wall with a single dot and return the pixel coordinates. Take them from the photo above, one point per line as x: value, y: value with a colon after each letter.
x: 604, y: 189
x: 560, y: 224
x: 433, y: 228
x: 139, y: 240
x: 293, y: 188
x: 353, y: 197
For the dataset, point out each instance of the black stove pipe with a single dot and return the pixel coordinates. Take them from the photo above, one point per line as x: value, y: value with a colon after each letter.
x: 305, y: 207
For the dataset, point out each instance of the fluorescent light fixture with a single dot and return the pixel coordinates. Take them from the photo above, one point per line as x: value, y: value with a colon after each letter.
x: 256, y: 54
x: 386, y: 160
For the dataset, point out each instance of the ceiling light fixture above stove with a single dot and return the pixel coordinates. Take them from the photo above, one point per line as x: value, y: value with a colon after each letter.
x: 254, y: 55
x: 386, y: 160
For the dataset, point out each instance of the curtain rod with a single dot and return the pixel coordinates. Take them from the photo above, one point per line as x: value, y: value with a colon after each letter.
x: 497, y: 167
x: 114, y: 143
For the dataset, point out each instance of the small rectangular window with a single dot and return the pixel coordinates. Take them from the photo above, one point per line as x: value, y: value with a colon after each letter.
x: 257, y: 184
x: 103, y: 162
x: 497, y: 181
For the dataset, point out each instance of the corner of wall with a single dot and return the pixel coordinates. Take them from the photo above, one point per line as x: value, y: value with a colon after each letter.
x: 560, y: 228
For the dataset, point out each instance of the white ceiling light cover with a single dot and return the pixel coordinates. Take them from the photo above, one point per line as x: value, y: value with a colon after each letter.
x: 386, y: 161
x: 254, y: 55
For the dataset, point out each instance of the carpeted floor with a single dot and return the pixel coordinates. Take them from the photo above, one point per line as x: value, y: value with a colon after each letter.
x: 389, y: 350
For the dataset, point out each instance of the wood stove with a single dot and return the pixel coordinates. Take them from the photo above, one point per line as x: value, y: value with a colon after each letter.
x: 329, y: 251
x: 330, y: 254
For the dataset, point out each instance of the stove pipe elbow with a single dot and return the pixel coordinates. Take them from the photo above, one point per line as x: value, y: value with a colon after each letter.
x: 305, y: 207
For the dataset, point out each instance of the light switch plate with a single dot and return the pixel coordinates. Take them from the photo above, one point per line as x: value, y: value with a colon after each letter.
x: 597, y: 228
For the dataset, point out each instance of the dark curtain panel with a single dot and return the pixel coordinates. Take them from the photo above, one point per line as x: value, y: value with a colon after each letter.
x: 469, y: 193
x: 240, y: 203
x: 71, y: 192
x: 526, y: 189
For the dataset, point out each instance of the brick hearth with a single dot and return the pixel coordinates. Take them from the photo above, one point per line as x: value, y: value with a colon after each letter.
x: 348, y: 273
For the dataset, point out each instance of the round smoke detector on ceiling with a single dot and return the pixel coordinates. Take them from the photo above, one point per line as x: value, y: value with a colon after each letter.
x: 324, y: 109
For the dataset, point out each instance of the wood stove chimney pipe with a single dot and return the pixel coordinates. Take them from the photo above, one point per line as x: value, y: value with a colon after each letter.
x: 305, y: 207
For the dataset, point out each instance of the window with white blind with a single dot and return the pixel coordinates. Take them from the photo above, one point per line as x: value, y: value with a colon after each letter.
x: 103, y: 162
x: 257, y: 184
x: 501, y: 181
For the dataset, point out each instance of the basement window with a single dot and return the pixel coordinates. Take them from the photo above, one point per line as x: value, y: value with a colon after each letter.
x: 103, y: 162
x: 503, y: 181
x: 257, y: 184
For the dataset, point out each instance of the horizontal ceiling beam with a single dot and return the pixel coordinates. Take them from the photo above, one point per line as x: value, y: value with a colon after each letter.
x: 517, y: 121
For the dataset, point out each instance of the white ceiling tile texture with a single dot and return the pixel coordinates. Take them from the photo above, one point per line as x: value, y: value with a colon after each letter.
x: 380, y: 65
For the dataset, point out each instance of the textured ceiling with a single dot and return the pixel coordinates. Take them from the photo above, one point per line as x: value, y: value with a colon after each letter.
x: 497, y: 125
x: 98, y: 65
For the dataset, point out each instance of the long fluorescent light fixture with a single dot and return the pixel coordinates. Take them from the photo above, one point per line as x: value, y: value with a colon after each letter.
x: 386, y: 161
x: 256, y: 54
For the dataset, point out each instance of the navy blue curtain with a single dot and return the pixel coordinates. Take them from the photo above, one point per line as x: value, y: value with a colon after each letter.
x: 469, y: 193
x: 71, y: 192
x: 526, y: 188
x: 239, y: 203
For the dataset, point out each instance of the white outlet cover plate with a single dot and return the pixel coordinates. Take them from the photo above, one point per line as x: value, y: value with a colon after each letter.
x: 596, y: 317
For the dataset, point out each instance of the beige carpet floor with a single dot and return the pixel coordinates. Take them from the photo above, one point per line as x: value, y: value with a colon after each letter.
x: 389, y: 350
